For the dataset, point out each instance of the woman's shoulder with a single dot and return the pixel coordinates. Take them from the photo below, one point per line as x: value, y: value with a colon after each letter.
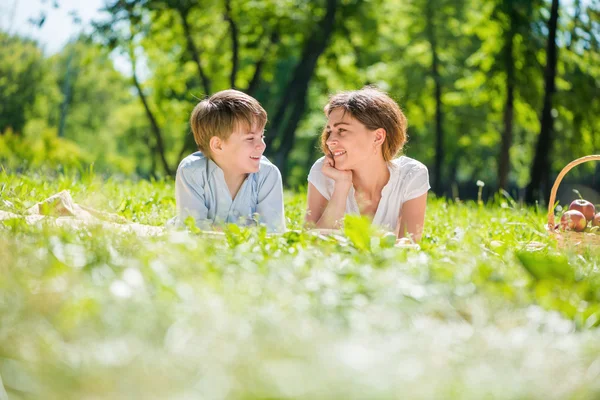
x: 316, y: 171
x: 407, y: 164
x: 316, y: 177
x: 318, y: 165
x: 409, y: 171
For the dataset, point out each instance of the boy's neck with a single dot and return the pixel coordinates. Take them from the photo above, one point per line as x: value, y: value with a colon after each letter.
x: 233, y: 180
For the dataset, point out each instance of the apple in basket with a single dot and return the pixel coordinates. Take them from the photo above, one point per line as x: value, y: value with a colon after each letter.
x: 584, y: 207
x: 573, y: 220
x: 596, y: 220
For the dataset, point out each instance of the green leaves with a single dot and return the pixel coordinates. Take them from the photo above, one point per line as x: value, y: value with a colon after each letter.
x: 359, y: 230
x: 544, y: 265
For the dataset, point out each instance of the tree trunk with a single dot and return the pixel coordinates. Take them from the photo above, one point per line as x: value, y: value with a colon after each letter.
x: 234, y: 43
x: 67, y: 90
x: 194, y: 50
x: 160, y: 148
x: 255, y: 81
x: 312, y: 147
x: 439, y: 132
x: 289, y: 137
x: 294, y: 99
x: 541, y: 162
x: 507, y: 136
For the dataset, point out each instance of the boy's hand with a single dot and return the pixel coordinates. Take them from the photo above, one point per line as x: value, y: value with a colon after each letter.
x: 338, y: 175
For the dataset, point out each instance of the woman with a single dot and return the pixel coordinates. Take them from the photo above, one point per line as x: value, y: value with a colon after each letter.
x: 360, y: 174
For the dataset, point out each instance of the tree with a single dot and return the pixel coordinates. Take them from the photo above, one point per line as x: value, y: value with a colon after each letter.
x: 431, y: 55
x: 540, y: 166
x: 254, y: 36
x: 293, y: 104
x: 22, y: 73
x: 509, y: 10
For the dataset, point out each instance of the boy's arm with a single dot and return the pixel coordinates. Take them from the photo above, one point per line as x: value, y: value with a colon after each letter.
x: 270, y: 202
x: 189, y: 197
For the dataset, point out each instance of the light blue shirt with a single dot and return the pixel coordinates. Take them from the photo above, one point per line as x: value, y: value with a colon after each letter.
x: 201, y: 192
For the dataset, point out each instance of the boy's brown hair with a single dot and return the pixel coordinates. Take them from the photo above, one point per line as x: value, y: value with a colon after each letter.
x: 220, y: 114
x: 374, y: 109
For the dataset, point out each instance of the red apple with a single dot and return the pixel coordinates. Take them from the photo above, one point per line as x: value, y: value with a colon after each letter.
x: 596, y: 220
x: 585, y: 207
x: 573, y: 220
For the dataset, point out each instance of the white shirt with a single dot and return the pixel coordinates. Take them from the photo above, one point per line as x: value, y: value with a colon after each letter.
x: 201, y: 192
x: 409, y: 179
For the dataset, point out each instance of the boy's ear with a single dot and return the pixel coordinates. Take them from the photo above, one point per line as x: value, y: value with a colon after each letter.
x: 380, y: 135
x: 215, y: 144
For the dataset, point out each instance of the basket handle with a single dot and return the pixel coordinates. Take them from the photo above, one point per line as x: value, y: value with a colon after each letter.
x: 559, y: 178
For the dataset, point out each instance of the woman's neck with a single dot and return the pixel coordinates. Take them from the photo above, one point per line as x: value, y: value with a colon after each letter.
x: 370, y: 179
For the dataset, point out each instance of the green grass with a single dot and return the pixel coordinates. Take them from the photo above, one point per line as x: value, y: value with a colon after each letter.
x: 476, y: 313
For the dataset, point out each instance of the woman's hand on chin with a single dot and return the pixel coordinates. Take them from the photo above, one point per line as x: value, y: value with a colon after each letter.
x: 338, y: 175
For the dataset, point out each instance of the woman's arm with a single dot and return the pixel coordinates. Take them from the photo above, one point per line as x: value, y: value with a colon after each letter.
x: 412, y: 218
x: 321, y: 213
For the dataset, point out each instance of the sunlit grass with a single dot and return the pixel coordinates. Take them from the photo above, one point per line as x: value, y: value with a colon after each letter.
x: 478, y: 312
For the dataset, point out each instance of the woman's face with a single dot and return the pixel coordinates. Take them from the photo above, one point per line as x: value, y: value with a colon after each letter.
x: 349, y: 142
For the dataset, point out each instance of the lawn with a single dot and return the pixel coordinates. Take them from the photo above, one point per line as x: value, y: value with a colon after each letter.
x: 488, y: 307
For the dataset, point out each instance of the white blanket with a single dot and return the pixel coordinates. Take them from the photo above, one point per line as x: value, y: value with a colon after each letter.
x: 62, y: 210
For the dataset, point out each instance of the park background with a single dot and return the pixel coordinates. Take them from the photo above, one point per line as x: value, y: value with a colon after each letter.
x: 504, y: 91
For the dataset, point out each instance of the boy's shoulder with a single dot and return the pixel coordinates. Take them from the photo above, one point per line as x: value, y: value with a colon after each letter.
x: 193, y: 161
x: 267, y: 169
x: 267, y: 165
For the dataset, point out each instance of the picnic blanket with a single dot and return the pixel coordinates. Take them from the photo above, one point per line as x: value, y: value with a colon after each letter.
x: 62, y: 210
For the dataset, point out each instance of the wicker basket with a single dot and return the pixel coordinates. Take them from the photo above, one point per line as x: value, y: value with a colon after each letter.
x: 570, y: 238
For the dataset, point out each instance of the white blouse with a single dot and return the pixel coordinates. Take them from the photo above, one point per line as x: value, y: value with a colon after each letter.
x: 409, y: 179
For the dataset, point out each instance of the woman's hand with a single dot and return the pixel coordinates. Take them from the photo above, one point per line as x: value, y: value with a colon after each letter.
x: 323, y: 213
x: 338, y: 175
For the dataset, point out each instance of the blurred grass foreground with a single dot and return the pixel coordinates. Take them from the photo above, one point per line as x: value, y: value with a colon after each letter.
x: 477, y: 312
x: 488, y: 307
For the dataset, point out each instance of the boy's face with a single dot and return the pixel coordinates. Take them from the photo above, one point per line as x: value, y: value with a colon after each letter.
x: 242, y: 151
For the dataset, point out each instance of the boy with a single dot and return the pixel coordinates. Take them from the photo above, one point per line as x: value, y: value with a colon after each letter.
x: 229, y: 180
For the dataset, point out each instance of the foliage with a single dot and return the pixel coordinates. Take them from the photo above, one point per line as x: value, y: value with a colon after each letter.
x: 80, y: 86
x: 182, y: 51
x: 44, y: 151
x: 22, y: 75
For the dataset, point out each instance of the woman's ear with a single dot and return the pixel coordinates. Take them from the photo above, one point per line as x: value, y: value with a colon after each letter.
x: 379, y: 136
x: 215, y: 144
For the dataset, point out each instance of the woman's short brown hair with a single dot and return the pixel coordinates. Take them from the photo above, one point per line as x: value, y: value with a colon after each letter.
x: 374, y: 109
x: 220, y: 114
